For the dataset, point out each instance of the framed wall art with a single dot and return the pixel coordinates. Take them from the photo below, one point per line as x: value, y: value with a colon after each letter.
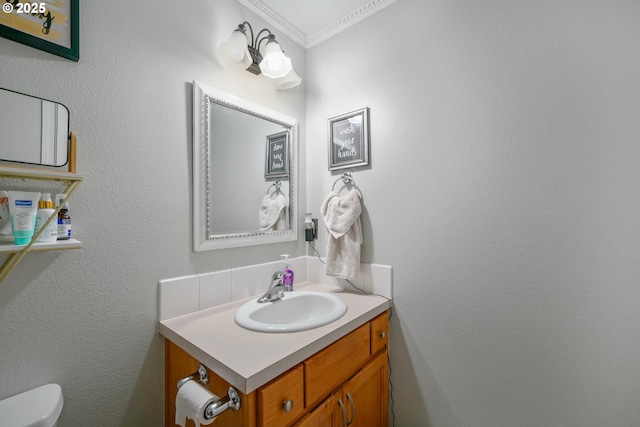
x: 45, y: 25
x: 349, y: 140
x: 277, y: 156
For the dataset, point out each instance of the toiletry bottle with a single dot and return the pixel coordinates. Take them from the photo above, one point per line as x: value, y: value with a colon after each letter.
x: 64, y: 220
x: 287, y: 274
x: 23, y: 208
x: 50, y: 234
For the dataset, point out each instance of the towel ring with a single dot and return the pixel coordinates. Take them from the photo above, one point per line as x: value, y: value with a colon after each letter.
x: 277, y: 184
x: 347, y: 178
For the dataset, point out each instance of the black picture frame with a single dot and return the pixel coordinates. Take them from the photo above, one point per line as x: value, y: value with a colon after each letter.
x: 42, y: 29
x: 277, y: 155
x: 348, y: 138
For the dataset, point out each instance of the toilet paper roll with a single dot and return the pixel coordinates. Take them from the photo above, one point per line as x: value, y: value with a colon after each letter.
x: 191, y: 401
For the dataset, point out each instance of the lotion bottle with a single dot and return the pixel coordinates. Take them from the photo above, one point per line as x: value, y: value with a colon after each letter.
x: 287, y: 274
x: 64, y: 220
x: 50, y: 234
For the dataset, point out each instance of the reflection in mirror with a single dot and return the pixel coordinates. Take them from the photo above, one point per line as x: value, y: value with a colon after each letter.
x: 244, y: 169
x: 236, y: 157
x: 36, y: 131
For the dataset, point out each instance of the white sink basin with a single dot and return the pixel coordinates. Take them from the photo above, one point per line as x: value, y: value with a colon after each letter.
x: 296, y: 311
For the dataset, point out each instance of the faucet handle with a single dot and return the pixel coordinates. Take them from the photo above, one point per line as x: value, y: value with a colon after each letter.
x: 277, y: 277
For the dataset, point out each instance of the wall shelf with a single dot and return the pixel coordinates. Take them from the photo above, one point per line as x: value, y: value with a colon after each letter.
x: 71, y: 181
x: 9, y: 248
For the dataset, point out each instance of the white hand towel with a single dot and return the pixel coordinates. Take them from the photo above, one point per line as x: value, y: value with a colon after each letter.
x: 341, y: 215
x: 272, y: 213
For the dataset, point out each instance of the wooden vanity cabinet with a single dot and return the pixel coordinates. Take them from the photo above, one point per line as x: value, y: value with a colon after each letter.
x: 366, y: 395
x: 362, y: 401
x: 281, y: 401
x: 327, y: 414
x: 178, y: 364
x: 348, y: 378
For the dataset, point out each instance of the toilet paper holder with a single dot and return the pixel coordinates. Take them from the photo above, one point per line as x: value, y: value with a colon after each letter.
x: 214, y: 408
x: 201, y: 372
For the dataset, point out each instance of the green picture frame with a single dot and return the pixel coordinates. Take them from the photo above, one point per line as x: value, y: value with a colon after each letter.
x: 34, y: 24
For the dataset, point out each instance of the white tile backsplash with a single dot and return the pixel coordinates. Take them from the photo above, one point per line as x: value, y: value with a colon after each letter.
x: 179, y: 296
x: 266, y: 274
x: 215, y: 289
x: 245, y: 281
x: 183, y: 295
x: 378, y: 279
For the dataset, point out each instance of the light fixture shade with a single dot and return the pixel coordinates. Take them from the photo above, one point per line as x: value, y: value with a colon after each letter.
x: 236, y: 51
x: 288, y: 81
x: 274, y: 63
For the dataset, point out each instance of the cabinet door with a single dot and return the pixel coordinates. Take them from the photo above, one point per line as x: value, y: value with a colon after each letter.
x: 329, y: 368
x: 366, y: 395
x: 328, y: 414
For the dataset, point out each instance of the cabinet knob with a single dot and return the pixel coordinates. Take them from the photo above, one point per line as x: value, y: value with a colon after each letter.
x: 383, y: 334
x: 288, y: 405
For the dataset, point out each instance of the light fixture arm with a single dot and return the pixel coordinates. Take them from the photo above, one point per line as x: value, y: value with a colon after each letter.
x: 260, y: 54
x: 254, y: 47
x: 256, y: 41
x: 269, y: 37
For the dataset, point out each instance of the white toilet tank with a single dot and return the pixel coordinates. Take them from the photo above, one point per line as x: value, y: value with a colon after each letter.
x: 39, y: 407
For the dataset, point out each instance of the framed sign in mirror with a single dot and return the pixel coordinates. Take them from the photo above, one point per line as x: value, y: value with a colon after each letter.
x: 277, y: 165
x: 349, y: 140
x: 45, y: 25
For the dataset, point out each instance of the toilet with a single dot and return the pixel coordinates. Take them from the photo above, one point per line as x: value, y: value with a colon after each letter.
x: 39, y: 407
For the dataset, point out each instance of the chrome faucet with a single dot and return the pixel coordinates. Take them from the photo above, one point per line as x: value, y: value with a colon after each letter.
x: 276, y: 289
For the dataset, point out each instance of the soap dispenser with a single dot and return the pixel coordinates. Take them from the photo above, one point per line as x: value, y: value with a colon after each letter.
x: 287, y: 274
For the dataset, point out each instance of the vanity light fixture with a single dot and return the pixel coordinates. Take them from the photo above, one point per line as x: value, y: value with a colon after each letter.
x: 267, y: 59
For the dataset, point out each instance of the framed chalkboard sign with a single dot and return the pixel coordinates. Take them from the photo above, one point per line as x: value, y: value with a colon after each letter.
x: 277, y: 156
x: 349, y: 140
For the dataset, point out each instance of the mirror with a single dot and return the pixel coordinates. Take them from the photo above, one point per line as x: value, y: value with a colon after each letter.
x: 35, y: 131
x: 244, y: 172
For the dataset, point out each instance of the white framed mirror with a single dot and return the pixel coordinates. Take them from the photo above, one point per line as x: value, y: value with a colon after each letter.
x: 244, y: 172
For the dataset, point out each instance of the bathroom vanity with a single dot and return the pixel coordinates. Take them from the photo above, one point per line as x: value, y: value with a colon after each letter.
x: 327, y: 376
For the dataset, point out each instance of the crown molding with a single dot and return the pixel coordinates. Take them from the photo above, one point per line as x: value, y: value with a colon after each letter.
x: 276, y: 20
x: 309, y: 40
x: 347, y: 21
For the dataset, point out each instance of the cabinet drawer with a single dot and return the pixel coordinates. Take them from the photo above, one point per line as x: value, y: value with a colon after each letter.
x: 330, y: 367
x: 379, y: 333
x: 273, y: 398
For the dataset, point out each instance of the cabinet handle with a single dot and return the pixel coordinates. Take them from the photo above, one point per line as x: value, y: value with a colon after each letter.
x: 288, y: 405
x: 344, y: 413
x: 353, y: 409
x: 383, y: 334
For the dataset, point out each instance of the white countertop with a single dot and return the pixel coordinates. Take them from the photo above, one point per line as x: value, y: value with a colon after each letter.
x: 248, y: 359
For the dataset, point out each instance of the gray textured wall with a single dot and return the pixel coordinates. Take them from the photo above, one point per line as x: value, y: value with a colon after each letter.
x: 86, y: 319
x: 504, y: 191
